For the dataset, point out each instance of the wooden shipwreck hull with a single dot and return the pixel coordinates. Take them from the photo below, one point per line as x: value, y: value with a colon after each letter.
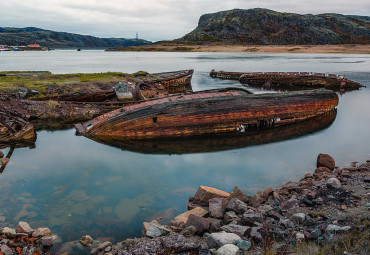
x: 15, y: 129
x: 223, y: 142
x: 229, y: 110
x: 290, y: 79
x: 174, y: 82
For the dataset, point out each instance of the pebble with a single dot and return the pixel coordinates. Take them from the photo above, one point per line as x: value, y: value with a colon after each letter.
x: 333, y: 183
x: 300, y: 217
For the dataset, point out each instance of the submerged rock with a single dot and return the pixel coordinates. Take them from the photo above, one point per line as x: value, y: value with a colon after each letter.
x: 86, y: 241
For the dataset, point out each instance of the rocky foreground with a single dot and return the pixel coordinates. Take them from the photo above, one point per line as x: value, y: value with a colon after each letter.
x: 326, y: 212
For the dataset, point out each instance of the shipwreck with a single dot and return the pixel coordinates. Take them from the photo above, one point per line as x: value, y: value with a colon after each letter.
x: 14, y: 129
x: 290, y: 79
x: 212, y: 112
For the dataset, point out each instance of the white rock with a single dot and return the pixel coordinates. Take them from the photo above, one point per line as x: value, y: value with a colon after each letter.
x: 23, y: 227
x: 228, y: 249
x: 333, y: 183
x: 216, y: 240
x: 299, y: 235
x: 335, y: 228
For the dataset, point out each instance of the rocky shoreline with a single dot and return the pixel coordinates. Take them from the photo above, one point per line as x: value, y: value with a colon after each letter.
x: 326, y: 212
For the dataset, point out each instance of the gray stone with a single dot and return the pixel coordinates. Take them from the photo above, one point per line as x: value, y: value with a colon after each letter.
x: 255, y: 233
x: 367, y: 204
x: 201, y: 224
x: 5, y: 250
x: 86, y: 241
x: 286, y: 223
x: 314, y: 234
x: 250, y: 219
x: 217, y: 207
x: 227, y: 249
x: 216, y: 240
x: 23, y: 227
x: 41, y: 232
x: 237, y: 206
x: 47, y: 241
x: 290, y: 204
x: 188, y: 231
x: 264, y: 208
x: 215, y: 225
x: 9, y: 232
x: 103, y: 246
x: 336, y: 228
x: 230, y: 216
x: 233, y: 228
x: 333, y: 183
x: 155, y: 230
x: 244, y: 245
x: 299, y: 217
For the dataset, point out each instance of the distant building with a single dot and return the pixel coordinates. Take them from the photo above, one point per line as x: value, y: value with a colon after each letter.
x: 34, y: 45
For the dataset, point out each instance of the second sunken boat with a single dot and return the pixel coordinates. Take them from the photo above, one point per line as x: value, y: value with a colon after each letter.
x: 209, y: 112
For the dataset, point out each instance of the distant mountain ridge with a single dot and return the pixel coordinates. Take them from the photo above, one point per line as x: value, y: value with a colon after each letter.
x: 263, y: 26
x: 49, y: 38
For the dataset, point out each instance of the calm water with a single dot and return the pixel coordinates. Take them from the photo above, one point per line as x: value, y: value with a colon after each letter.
x: 76, y: 186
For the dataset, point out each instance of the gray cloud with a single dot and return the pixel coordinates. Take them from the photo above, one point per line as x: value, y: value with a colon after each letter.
x: 152, y: 19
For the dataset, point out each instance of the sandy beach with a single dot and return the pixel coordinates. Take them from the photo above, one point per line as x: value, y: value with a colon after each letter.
x: 217, y: 47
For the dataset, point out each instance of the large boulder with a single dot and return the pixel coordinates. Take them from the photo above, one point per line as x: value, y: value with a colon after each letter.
x: 217, y: 207
x: 180, y: 220
x: 237, y: 206
x: 325, y: 160
x: 201, y: 224
x: 216, y: 240
x: 250, y: 219
x: 204, y: 194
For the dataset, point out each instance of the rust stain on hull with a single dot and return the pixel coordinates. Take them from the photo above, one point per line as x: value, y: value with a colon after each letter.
x: 209, y: 112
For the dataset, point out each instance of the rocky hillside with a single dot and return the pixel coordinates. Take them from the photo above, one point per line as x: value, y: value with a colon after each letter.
x: 262, y: 26
x: 48, y: 38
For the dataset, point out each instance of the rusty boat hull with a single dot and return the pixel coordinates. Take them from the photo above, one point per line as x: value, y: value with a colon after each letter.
x: 14, y: 129
x: 290, y: 79
x: 223, y: 142
x: 229, y: 110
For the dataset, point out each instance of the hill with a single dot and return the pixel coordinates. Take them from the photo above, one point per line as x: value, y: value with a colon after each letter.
x: 267, y: 27
x: 48, y: 38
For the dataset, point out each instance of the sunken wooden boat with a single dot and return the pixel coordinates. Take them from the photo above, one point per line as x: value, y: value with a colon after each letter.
x: 223, y: 142
x: 290, y: 79
x: 229, y: 110
x: 174, y: 82
x: 15, y: 129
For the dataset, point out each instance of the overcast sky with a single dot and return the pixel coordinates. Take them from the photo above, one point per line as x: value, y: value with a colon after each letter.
x: 153, y: 19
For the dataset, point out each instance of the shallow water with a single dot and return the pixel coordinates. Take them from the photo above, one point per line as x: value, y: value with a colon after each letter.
x: 76, y: 186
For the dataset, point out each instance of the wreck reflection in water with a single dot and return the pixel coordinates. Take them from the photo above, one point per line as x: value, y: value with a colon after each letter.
x: 222, y: 143
x: 12, y: 146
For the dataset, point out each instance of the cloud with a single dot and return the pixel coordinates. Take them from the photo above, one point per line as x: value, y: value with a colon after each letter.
x: 152, y: 19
